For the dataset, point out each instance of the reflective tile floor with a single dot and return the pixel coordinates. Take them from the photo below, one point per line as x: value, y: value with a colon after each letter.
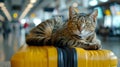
x: 113, y: 44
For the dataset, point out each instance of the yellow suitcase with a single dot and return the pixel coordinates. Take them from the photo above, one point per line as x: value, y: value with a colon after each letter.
x: 49, y: 56
x: 96, y: 58
x: 33, y: 56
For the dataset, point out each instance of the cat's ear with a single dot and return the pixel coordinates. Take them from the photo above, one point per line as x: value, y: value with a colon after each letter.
x: 94, y: 14
x: 72, y: 11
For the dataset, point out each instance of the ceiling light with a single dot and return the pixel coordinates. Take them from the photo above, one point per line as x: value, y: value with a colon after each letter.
x: 103, y: 0
x: 5, y: 11
x: 23, y: 21
x: 1, y: 4
x: 26, y: 11
x: 75, y: 4
x: 3, y: 8
x: 36, y: 21
x: 2, y: 18
x: 30, y: 6
x: 33, y: 1
x: 93, y: 2
x: 7, y: 15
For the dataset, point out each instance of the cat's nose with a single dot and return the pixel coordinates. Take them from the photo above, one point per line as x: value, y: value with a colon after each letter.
x: 80, y: 29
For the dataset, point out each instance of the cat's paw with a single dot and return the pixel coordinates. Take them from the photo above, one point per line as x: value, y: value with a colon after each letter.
x: 97, y: 46
x: 94, y: 47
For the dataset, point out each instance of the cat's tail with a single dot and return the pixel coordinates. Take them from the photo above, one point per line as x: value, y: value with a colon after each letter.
x: 41, y: 34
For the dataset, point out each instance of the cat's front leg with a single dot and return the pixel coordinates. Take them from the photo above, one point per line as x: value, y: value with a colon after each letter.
x: 89, y: 45
x: 95, y: 45
x: 95, y: 42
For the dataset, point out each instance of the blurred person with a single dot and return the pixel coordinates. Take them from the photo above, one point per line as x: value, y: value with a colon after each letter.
x: 6, y: 31
x: 0, y: 27
x: 26, y: 25
x: 104, y: 32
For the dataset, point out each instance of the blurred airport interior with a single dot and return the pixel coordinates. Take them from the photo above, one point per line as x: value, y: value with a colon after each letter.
x: 18, y: 17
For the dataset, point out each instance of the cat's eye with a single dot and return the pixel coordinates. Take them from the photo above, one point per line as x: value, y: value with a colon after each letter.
x: 77, y: 36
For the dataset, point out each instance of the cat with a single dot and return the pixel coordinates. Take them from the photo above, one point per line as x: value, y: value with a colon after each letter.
x: 79, y: 31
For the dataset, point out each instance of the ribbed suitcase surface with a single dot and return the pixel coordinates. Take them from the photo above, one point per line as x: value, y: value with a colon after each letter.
x: 96, y: 58
x: 35, y: 57
x: 49, y: 56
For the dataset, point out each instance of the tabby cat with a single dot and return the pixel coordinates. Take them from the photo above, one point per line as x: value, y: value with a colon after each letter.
x: 79, y: 31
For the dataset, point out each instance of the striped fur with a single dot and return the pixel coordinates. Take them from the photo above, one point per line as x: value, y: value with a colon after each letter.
x: 41, y: 35
x: 79, y: 31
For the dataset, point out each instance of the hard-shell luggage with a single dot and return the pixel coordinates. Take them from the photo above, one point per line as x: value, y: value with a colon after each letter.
x: 50, y: 56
